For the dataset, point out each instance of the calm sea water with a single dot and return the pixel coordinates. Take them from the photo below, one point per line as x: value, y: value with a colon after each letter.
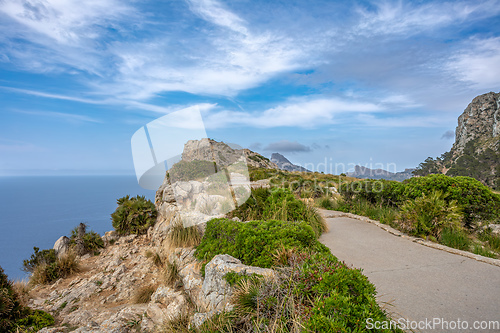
x: 36, y: 211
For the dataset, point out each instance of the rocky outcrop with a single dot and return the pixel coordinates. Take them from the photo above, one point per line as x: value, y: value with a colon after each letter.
x: 61, y: 246
x: 223, y: 154
x: 476, y: 151
x: 480, y: 121
x: 284, y: 164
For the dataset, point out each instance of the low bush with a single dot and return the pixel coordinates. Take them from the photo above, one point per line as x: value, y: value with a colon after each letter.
x: 254, y: 242
x: 35, y: 321
x: 317, y: 294
x: 14, y: 316
x: 62, y: 267
x: 133, y: 215
x: 85, y: 241
x: 38, y: 258
x: 342, y: 299
x: 429, y: 214
x: 476, y: 200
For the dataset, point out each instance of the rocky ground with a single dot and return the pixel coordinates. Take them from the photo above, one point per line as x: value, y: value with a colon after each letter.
x: 102, y: 297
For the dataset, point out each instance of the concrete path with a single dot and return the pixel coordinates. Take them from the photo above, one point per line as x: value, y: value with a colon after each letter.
x: 420, y: 282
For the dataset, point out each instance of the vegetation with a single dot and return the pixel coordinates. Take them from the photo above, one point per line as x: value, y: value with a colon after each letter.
x: 279, y: 204
x: 143, y: 295
x: 84, y: 241
x: 429, y: 215
x: 317, y: 293
x: 180, y: 236
x: 62, y: 267
x: 446, y: 209
x: 14, y: 315
x: 481, y: 164
x: 133, y: 215
x: 194, y: 170
x: 254, y: 242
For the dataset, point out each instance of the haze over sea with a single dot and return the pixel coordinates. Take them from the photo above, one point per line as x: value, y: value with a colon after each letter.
x: 37, y: 210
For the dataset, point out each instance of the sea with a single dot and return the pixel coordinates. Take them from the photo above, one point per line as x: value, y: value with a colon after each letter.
x: 37, y: 210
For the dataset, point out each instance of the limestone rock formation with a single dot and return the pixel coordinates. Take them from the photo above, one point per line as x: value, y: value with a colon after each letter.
x: 476, y: 151
x: 480, y: 121
x: 284, y: 164
x: 61, y: 246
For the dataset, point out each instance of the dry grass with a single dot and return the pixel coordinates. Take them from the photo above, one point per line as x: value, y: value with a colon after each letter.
x: 64, y: 266
x: 171, y: 273
x: 21, y: 288
x: 143, y: 295
x: 179, y: 236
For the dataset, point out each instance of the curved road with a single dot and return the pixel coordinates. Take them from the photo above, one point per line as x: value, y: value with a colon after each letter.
x: 420, y: 283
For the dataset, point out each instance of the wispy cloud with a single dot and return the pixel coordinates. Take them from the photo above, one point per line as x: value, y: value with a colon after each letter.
x: 74, y: 118
x: 395, y: 17
x: 297, y: 112
x: 478, y: 63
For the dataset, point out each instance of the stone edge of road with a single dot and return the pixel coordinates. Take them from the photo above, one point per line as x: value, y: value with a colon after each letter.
x: 335, y: 214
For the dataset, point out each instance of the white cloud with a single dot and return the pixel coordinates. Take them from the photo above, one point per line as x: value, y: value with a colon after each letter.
x: 214, y: 12
x: 296, y: 112
x: 404, y: 17
x: 478, y: 63
x: 65, y: 21
x: 74, y: 118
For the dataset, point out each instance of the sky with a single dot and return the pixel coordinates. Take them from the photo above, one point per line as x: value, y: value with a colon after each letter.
x: 325, y: 83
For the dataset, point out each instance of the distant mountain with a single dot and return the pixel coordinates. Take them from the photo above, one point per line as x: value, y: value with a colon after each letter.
x: 284, y: 164
x: 364, y: 172
x: 476, y: 151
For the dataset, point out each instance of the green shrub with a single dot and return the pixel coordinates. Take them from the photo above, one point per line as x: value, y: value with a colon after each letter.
x: 35, y: 321
x: 11, y: 308
x: 253, y: 208
x: 44, y: 257
x: 254, y: 242
x: 325, y: 202
x: 378, y: 192
x: 342, y: 298
x: 133, y: 215
x: 476, y: 200
x: 84, y: 241
x: 13, y: 315
x: 282, y: 205
x: 63, y: 266
x: 429, y: 214
x: 455, y: 238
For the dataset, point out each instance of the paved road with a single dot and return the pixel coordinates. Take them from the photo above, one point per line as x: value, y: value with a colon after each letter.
x: 420, y: 282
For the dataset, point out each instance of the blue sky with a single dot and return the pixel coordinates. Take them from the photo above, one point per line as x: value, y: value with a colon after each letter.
x: 361, y: 82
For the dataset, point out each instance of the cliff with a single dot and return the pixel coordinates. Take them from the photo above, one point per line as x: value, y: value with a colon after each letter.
x: 480, y: 123
x: 476, y: 150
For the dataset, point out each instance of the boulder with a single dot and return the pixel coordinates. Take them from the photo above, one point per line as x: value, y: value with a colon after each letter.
x: 110, y: 237
x: 61, y: 246
x: 215, y: 290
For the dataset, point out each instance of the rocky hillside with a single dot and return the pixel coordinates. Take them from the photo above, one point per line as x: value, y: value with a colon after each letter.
x: 364, y: 172
x: 476, y: 151
x: 222, y: 154
x: 284, y: 164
